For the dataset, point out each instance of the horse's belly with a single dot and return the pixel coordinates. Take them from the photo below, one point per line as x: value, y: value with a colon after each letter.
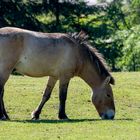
x: 39, y: 67
x: 36, y: 67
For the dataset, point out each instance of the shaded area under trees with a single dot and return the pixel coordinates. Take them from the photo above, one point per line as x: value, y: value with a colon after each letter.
x: 106, y: 23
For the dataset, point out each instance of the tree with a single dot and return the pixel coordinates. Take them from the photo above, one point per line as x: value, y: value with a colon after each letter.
x: 135, y: 9
x: 17, y: 13
x: 131, y: 50
x: 100, y: 22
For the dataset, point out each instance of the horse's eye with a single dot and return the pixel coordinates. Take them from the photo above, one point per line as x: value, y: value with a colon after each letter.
x: 108, y: 95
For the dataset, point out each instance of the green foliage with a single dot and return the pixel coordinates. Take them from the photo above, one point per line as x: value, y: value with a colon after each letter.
x: 116, y: 15
x: 132, y: 13
x: 17, y: 13
x: 131, y: 50
x: 135, y: 5
x: 106, y: 24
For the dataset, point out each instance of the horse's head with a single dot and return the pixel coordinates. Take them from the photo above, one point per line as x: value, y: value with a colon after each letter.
x: 103, y: 100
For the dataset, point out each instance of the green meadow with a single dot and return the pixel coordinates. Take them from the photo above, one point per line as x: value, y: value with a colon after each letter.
x: 22, y: 95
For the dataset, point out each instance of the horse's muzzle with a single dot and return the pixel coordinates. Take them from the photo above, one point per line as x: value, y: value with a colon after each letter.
x: 109, y: 115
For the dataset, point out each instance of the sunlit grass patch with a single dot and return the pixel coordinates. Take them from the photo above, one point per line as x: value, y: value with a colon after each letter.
x: 22, y: 95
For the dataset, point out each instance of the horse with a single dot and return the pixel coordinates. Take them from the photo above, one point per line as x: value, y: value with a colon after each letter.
x: 60, y: 56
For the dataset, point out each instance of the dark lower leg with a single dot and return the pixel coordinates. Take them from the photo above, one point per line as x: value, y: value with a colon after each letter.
x: 45, y: 98
x: 1, y: 103
x: 4, y: 111
x: 1, y: 111
x: 62, y: 98
x: 3, y: 107
x: 3, y: 78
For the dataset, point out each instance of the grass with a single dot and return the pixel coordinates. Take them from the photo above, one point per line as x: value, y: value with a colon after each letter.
x: 22, y: 95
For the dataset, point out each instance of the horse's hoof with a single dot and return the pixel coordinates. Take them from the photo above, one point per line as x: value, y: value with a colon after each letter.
x: 4, y: 118
x: 63, y: 117
x: 7, y: 119
x: 34, y: 115
x: 34, y: 119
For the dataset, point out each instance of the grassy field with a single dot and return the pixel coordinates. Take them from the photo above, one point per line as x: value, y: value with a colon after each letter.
x: 22, y: 95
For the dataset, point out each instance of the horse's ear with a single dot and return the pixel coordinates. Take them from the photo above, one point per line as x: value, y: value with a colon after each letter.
x: 112, y: 81
x: 106, y: 81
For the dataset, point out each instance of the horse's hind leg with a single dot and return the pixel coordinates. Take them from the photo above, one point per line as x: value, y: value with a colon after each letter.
x: 1, y: 105
x: 45, y: 98
x: 3, y: 113
x: 4, y: 110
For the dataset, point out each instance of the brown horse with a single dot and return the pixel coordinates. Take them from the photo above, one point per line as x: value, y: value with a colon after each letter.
x: 59, y: 56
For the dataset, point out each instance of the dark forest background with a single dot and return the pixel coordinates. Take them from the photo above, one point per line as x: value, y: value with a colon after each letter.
x: 113, y: 27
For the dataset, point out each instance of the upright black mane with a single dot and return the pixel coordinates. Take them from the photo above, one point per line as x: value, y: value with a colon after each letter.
x: 93, y: 55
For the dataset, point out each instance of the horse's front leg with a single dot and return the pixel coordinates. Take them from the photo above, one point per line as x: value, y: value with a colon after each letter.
x: 64, y: 82
x: 45, y: 98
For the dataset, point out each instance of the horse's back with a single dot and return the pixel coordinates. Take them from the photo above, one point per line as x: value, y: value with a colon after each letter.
x: 38, y: 54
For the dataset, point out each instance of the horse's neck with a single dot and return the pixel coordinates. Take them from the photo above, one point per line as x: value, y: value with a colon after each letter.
x: 91, y: 76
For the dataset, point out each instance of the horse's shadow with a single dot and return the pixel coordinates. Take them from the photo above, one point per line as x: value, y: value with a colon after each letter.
x: 68, y: 121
